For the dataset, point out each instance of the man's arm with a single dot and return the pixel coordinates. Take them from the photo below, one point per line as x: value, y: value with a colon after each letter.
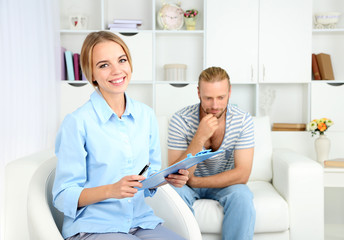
x: 240, y: 174
x: 206, y: 129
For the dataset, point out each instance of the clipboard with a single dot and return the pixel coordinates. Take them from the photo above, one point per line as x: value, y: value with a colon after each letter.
x: 189, y: 161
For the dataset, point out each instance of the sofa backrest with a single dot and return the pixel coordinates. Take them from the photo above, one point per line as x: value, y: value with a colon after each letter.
x: 262, y: 165
x: 261, y: 170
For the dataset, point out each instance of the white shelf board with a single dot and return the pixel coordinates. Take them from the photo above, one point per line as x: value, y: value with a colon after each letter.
x: 69, y: 31
x: 290, y: 82
x: 327, y: 81
x: 176, y: 82
x: 180, y: 32
x: 86, y: 82
x: 332, y: 30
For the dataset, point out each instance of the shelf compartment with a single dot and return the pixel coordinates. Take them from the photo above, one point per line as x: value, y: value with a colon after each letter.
x: 179, y: 49
x: 129, y: 9
x: 89, y: 8
x: 284, y: 103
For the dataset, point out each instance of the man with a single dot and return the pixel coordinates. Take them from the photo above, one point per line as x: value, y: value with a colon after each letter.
x: 215, y: 124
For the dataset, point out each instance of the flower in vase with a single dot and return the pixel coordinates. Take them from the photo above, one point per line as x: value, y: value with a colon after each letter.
x: 319, y: 125
x: 191, y: 13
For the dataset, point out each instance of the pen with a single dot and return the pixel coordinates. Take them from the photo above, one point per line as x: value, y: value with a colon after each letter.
x: 144, y: 169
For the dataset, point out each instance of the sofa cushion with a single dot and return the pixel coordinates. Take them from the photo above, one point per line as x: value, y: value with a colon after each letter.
x: 271, y: 211
x: 262, y: 168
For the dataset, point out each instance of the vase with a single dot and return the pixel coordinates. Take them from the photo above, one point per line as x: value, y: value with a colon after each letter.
x: 190, y: 23
x: 322, y: 148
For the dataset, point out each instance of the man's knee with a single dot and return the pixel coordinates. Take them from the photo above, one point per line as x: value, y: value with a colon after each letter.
x: 238, y: 196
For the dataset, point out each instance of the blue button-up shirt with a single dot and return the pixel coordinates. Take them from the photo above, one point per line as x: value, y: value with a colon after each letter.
x: 95, y: 147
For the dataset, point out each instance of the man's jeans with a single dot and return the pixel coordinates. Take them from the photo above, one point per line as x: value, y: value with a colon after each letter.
x: 237, y: 201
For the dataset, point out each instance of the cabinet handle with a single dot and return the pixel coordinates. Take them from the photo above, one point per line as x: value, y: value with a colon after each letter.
x: 263, y: 73
x: 251, y: 73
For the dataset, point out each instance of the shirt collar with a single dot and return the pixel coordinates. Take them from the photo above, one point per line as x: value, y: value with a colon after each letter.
x: 104, y: 111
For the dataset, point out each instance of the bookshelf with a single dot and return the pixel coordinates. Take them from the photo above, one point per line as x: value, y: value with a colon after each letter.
x: 151, y: 48
x: 255, y: 65
x: 330, y: 41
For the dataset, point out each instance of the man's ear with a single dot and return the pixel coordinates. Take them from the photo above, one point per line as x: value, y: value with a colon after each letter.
x: 199, y: 94
x: 230, y: 91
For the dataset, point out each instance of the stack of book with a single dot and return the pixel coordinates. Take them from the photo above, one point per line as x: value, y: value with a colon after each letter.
x: 322, y: 67
x: 337, y: 162
x: 288, y: 127
x: 70, y: 66
x: 124, y: 25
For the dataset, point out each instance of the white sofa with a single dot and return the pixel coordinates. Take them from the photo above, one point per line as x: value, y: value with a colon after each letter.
x: 287, y: 187
x: 29, y: 213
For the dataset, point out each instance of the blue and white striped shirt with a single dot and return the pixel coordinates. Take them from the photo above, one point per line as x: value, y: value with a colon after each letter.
x: 239, y: 135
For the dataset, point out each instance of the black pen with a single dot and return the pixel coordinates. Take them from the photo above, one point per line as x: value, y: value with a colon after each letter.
x: 144, y: 169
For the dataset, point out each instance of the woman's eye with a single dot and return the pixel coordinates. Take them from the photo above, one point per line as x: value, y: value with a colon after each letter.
x: 123, y: 60
x: 103, y: 65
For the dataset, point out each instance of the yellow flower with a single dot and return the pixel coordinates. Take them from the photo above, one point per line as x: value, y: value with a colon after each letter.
x: 328, y: 122
x: 319, y: 125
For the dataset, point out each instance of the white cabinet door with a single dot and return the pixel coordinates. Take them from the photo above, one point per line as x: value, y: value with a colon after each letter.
x: 141, y: 47
x: 232, y: 38
x: 285, y: 41
x: 274, y: 35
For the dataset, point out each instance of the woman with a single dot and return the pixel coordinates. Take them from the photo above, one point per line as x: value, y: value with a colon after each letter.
x: 101, y: 148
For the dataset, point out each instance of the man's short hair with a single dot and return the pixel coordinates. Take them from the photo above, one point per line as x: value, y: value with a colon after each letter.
x: 213, y: 74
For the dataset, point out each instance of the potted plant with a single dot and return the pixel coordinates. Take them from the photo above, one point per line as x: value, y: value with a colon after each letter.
x: 322, y: 143
x: 190, y: 17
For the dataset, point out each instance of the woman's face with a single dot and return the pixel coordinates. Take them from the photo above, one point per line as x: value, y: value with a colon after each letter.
x: 111, y: 68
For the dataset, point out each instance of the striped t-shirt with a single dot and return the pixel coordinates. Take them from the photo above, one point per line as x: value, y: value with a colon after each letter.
x: 239, y: 135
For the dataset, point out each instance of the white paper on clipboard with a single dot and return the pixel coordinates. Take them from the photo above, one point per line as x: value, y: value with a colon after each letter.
x: 188, y: 162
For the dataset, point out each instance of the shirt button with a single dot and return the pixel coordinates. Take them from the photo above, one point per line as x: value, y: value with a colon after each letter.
x: 129, y: 201
x: 129, y: 219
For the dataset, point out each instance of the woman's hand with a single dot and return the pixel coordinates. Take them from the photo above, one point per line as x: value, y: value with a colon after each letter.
x: 179, y: 179
x: 125, y: 187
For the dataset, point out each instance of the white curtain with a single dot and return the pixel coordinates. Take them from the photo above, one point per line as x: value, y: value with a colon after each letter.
x: 29, y: 78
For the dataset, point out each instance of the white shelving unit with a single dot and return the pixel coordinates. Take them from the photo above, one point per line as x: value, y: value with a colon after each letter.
x: 325, y: 94
x: 151, y: 48
x: 256, y: 51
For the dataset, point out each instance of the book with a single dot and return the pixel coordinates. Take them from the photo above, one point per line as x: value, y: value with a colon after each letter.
x: 122, y: 25
x: 337, y: 162
x: 159, y: 178
x: 69, y: 65
x: 63, y: 64
x: 288, y: 127
x: 315, y: 68
x: 136, y: 21
x: 76, y: 65
x: 325, y: 66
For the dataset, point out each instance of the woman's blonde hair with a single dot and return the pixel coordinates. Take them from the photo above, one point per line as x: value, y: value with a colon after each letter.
x: 86, y: 54
x: 213, y: 74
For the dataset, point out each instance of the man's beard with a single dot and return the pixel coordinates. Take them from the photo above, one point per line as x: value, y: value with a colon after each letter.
x: 218, y: 115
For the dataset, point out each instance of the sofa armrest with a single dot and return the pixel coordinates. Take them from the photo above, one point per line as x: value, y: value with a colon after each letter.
x: 41, y: 221
x: 299, y: 180
x: 169, y: 206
